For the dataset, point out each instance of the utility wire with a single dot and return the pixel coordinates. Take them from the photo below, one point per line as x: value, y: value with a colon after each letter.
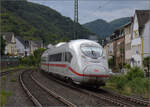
x: 106, y: 3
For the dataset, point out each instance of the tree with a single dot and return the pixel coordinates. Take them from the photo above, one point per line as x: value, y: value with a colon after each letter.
x: 146, y: 62
x: 2, y: 46
x: 111, y: 62
x: 37, y: 55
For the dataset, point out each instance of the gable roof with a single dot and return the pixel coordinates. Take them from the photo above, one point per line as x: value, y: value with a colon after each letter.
x: 142, y: 16
x: 37, y: 44
x: 7, y: 36
x: 24, y: 42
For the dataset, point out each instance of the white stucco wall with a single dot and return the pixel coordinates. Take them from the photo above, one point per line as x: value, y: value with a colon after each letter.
x: 135, y: 27
x: 20, y: 47
x: 10, y: 47
x: 136, y: 44
x: 146, y: 40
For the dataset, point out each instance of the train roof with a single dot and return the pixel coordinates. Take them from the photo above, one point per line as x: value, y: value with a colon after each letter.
x: 80, y: 41
x: 60, y: 44
x: 72, y: 43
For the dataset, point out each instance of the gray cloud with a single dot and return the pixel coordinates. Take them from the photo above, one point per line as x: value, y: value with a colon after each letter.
x: 90, y: 10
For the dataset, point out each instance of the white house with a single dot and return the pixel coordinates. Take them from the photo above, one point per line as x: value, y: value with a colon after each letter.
x: 22, y: 46
x: 35, y: 45
x: 10, y: 47
x: 141, y: 17
x: 108, y: 48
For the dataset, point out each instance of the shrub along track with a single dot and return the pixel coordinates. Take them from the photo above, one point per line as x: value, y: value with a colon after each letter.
x: 40, y: 95
x: 105, y: 95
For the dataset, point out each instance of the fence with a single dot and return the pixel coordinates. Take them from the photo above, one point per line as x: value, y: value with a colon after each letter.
x: 8, y: 62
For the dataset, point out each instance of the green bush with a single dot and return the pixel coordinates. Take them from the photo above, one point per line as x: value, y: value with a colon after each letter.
x: 127, y: 66
x: 119, y: 81
x: 32, y: 60
x: 135, y: 72
x: 140, y: 86
x: 133, y: 82
x: 111, y: 62
x: 146, y: 62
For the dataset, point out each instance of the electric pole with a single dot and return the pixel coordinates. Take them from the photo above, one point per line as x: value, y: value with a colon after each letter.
x: 75, y: 18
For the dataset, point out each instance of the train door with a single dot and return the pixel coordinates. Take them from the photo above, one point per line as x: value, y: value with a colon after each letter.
x: 68, y: 58
x: 46, y: 66
x: 63, y: 63
x: 50, y: 68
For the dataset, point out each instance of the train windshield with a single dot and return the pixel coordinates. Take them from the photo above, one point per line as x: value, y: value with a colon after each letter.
x: 92, y: 51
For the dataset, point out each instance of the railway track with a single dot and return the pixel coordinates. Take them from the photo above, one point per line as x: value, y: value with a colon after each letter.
x: 127, y: 98
x: 39, y: 94
x: 74, y: 96
x: 7, y: 72
x: 112, y: 98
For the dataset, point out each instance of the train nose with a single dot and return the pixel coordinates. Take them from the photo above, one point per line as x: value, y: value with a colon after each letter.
x: 95, y: 70
x: 95, y: 74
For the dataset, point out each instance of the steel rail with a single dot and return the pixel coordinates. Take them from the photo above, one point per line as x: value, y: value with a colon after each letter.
x: 118, y: 102
x: 60, y: 98
x: 132, y: 99
x: 7, y: 72
x: 32, y: 98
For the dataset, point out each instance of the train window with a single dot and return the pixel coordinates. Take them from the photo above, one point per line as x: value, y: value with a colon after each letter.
x: 68, y: 56
x: 58, y: 57
x: 50, y: 58
x: 92, y: 51
x: 55, y: 57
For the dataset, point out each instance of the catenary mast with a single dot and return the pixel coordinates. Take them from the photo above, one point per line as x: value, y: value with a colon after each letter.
x: 75, y: 19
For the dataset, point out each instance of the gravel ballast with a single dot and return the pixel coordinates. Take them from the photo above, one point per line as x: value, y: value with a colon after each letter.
x: 11, y: 84
x: 41, y: 95
x: 76, y: 97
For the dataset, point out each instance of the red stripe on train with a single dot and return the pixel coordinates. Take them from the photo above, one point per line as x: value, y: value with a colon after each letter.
x: 57, y: 65
x: 73, y: 71
x: 88, y: 75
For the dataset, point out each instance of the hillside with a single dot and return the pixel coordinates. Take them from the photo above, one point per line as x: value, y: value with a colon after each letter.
x: 103, y: 28
x: 119, y: 22
x: 34, y: 21
x: 100, y: 27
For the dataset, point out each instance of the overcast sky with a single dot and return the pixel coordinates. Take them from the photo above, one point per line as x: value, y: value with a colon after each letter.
x: 90, y: 10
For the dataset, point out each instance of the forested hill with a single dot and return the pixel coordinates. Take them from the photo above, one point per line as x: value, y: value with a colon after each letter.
x: 35, y: 21
x: 103, y: 28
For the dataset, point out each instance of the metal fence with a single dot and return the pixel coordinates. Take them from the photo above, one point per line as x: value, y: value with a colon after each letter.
x: 8, y: 62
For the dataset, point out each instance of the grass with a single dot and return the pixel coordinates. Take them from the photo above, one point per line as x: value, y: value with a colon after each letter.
x: 133, y: 83
x: 13, y: 80
x: 17, y: 67
x: 4, y: 78
x: 3, y: 97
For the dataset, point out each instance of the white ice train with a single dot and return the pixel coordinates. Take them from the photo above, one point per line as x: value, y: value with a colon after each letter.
x: 80, y: 61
